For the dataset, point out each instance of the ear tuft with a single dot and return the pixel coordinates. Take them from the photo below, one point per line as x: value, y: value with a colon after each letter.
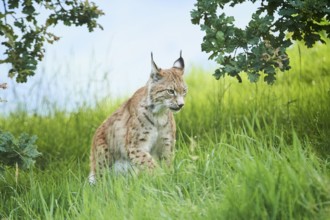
x: 179, y: 63
x: 155, y: 71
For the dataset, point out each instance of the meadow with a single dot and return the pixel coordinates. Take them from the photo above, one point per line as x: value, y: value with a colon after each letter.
x: 244, y: 151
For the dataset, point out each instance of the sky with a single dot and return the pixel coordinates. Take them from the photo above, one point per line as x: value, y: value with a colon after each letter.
x: 83, y: 67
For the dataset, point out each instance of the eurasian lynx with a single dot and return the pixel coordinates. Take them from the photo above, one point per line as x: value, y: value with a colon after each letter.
x: 143, y: 129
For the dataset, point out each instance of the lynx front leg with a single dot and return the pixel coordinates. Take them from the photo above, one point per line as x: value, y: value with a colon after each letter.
x: 167, y: 153
x: 139, y: 140
x: 141, y: 158
x: 167, y: 141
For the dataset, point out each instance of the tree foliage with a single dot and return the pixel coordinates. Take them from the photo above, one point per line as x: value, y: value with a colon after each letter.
x: 24, y: 29
x: 21, y: 151
x: 261, y: 46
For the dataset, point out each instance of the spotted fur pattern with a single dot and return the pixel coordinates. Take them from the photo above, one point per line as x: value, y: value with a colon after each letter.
x: 142, y: 130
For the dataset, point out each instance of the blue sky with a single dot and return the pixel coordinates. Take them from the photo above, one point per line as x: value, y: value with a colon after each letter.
x: 84, y: 66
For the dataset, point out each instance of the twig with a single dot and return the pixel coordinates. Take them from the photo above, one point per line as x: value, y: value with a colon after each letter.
x: 5, y: 8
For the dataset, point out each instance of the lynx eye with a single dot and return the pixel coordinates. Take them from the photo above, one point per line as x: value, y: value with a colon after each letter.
x: 171, y: 92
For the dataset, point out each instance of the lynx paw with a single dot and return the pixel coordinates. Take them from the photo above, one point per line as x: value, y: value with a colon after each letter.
x: 92, y: 179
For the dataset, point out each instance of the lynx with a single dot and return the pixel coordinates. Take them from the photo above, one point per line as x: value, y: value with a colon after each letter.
x: 142, y: 130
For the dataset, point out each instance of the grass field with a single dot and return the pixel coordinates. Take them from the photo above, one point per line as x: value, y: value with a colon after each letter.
x: 244, y: 151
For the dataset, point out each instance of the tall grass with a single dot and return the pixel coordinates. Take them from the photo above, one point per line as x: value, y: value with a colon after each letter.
x: 244, y: 151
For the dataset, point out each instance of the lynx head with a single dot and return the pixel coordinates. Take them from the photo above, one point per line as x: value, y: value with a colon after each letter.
x: 166, y: 88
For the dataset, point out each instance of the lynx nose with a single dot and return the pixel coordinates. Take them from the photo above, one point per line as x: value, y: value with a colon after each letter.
x: 180, y: 101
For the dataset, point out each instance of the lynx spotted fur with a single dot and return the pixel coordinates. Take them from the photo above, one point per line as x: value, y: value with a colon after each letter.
x: 142, y: 130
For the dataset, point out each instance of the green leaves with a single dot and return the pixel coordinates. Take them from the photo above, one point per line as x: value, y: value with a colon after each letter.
x: 21, y: 151
x: 24, y: 35
x: 261, y: 46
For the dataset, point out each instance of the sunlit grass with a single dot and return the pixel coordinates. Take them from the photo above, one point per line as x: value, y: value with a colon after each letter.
x: 244, y: 151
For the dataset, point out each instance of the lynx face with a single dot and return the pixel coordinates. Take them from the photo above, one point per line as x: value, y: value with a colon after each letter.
x: 167, y: 89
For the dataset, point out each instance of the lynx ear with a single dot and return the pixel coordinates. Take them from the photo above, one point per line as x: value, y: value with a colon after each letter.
x: 155, y: 71
x: 179, y: 63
